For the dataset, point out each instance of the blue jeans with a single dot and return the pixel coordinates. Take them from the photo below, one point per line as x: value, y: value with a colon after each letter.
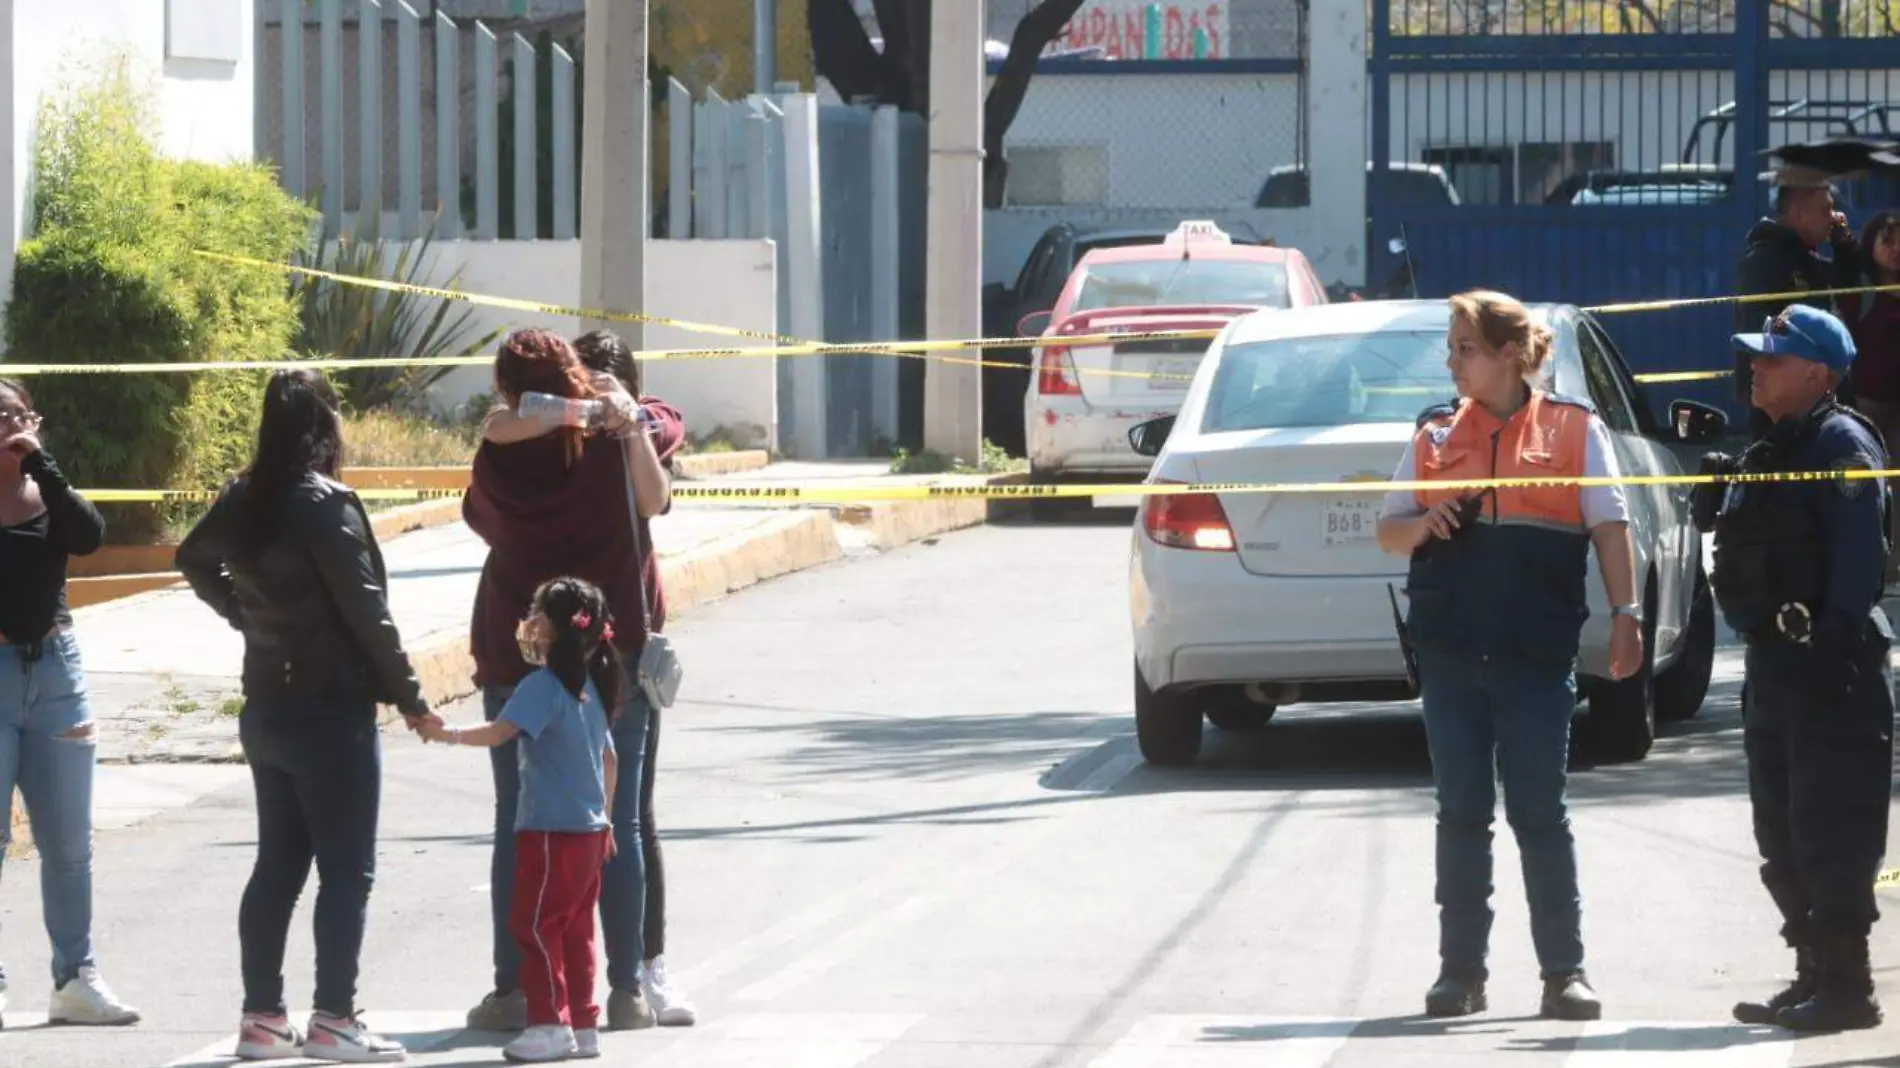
x: 317, y: 768
x: 623, y: 887
x: 42, y: 705
x: 1485, y: 721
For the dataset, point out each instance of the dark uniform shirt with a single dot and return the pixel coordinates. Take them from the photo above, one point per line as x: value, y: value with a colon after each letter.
x: 1849, y: 512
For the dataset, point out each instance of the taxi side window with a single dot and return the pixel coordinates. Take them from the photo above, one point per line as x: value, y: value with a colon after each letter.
x: 1613, y: 406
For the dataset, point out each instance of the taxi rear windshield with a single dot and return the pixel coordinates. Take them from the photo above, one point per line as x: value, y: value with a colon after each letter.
x: 1178, y: 281
x: 1336, y: 380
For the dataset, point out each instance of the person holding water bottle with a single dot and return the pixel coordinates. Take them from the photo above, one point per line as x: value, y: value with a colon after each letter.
x: 562, y: 715
x: 537, y: 497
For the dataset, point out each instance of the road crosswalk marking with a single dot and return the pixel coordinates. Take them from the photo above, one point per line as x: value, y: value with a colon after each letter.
x: 852, y: 1039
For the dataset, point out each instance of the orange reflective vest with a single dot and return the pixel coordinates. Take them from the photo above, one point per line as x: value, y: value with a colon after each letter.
x: 1512, y: 585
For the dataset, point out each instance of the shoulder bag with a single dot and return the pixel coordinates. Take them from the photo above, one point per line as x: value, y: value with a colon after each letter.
x: 658, y: 672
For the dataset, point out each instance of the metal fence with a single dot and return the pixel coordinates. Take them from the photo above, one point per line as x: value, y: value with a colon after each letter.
x: 1158, y: 105
x: 1608, y: 151
x: 841, y: 191
x: 426, y: 123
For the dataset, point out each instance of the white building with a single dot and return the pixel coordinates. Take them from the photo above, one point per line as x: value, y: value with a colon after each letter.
x: 197, y: 54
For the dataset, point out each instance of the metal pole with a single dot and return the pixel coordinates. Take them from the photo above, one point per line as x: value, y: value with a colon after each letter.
x: 764, y: 45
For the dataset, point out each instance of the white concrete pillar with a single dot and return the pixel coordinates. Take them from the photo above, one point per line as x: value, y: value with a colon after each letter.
x: 953, y: 397
x: 1337, y: 100
x: 614, y: 179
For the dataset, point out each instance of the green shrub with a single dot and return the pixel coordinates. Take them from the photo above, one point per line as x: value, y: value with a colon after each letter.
x: 356, y: 322
x: 110, y: 277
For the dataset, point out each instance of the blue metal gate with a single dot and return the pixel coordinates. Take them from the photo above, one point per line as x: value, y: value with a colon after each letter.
x: 1597, y: 153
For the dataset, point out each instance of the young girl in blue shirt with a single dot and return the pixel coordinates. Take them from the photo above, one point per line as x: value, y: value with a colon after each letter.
x: 562, y: 713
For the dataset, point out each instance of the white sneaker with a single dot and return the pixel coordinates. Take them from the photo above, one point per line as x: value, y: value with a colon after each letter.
x: 542, y: 1043
x: 587, y: 1043
x: 267, y: 1037
x: 87, y: 1001
x: 332, y: 1038
x: 663, y: 992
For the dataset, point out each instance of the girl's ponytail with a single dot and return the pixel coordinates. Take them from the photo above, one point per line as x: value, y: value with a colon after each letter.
x: 582, y: 646
x: 604, y: 668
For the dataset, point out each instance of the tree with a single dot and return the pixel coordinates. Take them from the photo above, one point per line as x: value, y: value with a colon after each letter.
x: 899, y: 73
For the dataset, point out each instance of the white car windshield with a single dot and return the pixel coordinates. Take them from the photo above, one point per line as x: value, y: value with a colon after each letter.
x: 1178, y: 281
x: 1336, y: 380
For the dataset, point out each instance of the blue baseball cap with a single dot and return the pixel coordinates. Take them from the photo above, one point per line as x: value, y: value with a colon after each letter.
x: 1809, y: 333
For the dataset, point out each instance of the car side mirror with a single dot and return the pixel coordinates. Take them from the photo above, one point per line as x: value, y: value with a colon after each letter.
x: 1148, y: 438
x: 1033, y: 324
x: 1695, y: 421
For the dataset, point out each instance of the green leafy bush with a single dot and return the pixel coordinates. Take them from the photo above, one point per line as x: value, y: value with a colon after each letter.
x: 111, y: 277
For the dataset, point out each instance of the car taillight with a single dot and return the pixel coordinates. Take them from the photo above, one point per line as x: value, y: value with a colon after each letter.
x: 1187, y: 521
x: 1055, y: 373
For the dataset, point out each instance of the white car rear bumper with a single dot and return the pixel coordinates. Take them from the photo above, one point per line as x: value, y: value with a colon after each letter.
x: 1199, y: 618
x: 1067, y: 436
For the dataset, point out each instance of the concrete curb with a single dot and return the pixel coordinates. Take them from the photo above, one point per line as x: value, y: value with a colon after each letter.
x: 776, y: 546
x: 697, y: 465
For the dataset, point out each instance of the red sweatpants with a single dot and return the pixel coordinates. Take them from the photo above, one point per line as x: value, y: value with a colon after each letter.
x: 557, y: 889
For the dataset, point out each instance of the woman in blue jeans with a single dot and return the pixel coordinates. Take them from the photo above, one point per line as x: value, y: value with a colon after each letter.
x: 552, y: 503
x: 1497, y: 603
x: 287, y: 556
x: 47, y: 736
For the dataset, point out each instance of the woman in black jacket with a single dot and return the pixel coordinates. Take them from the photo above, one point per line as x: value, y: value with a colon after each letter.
x: 286, y: 555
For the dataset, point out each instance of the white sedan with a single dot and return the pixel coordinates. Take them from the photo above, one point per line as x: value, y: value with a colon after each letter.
x: 1245, y: 602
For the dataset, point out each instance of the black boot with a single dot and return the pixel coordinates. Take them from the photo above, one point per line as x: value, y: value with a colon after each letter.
x: 1843, y: 998
x: 1569, y: 997
x: 1763, y: 1012
x: 1458, y: 992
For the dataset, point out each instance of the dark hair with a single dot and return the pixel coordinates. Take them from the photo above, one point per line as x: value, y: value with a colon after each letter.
x: 1870, y: 236
x: 18, y: 389
x: 577, y: 613
x: 607, y: 352
x: 299, y: 434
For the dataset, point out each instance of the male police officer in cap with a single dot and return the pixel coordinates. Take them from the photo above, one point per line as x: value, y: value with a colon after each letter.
x: 1798, y: 573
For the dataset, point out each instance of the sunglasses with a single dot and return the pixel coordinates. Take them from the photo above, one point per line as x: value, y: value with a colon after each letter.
x: 1778, y: 326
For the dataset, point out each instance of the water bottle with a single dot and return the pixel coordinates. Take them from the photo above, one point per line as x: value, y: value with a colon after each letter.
x: 552, y: 411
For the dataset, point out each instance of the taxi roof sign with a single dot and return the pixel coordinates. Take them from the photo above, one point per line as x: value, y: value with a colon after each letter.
x: 1198, y: 231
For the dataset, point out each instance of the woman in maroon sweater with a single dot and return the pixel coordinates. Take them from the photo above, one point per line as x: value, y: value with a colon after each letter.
x: 1874, y: 319
x: 546, y: 508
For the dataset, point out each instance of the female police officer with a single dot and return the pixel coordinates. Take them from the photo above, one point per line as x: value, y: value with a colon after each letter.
x: 1497, y: 601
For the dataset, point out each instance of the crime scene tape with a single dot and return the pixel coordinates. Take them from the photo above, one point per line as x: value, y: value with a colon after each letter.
x: 784, y: 344
x: 791, y: 346
x: 860, y: 494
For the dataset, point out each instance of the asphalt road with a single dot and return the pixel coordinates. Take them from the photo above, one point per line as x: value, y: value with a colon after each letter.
x: 905, y: 825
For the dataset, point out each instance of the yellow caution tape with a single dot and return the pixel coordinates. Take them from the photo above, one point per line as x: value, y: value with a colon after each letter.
x: 786, y: 345
x: 828, y: 493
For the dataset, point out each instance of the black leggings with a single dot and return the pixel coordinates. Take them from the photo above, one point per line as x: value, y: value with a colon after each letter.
x: 319, y: 789
x: 653, y: 930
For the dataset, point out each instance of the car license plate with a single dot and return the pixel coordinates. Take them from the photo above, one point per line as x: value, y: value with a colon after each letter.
x: 1172, y: 374
x: 1352, y: 521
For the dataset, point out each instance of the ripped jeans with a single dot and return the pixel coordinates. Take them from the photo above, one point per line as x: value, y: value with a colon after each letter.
x: 47, y: 747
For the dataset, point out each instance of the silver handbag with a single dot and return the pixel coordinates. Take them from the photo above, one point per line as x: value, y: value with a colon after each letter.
x: 658, y: 671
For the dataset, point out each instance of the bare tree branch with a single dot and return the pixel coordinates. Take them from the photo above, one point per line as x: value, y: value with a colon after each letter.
x: 1005, y: 100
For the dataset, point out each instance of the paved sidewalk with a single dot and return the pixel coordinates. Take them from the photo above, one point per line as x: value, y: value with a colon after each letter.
x: 163, y: 669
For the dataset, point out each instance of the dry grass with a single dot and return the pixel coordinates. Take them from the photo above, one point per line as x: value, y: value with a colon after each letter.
x: 388, y: 438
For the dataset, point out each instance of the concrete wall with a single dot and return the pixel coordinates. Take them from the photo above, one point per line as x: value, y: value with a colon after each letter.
x: 727, y: 283
x: 205, y: 92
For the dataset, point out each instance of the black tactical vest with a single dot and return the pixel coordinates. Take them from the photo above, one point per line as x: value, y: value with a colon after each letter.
x: 1770, y: 548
